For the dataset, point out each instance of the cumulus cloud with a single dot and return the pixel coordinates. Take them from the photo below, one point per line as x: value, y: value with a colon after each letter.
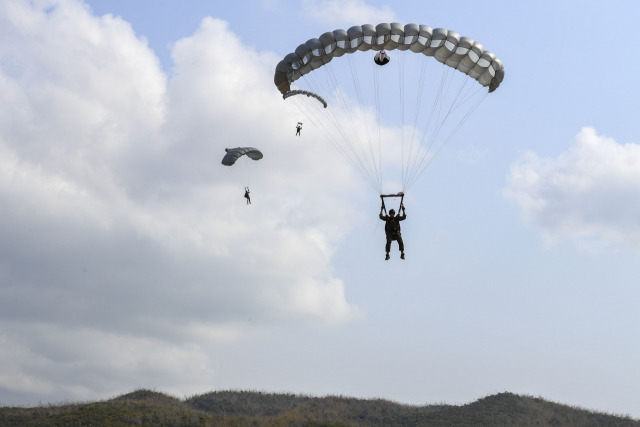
x: 590, y: 193
x: 120, y: 227
x: 348, y: 13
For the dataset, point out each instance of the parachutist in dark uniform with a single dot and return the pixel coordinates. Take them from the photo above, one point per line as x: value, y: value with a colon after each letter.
x: 298, y: 128
x: 246, y: 195
x: 392, y: 229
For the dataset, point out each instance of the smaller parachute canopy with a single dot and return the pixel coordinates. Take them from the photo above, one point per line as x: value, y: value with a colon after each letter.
x: 233, y: 154
x: 305, y: 92
x: 382, y: 58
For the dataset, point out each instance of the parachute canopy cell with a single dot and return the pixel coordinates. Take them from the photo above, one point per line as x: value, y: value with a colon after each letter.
x: 233, y: 154
x: 446, y: 46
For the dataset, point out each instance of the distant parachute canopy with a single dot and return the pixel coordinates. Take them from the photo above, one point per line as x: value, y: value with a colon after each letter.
x: 233, y: 154
x: 305, y: 92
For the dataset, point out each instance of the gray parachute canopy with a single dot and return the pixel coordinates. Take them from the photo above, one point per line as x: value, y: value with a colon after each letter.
x: 305, y: 92
x: 446, y: 46
x: 233, y: 154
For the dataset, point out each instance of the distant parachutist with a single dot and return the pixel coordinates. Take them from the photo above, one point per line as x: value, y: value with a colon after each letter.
x: 298, y: 128
x: 234, y: 154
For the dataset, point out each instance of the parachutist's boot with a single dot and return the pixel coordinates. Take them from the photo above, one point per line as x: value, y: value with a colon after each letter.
x: 402, y: 255
x: 387, y: 257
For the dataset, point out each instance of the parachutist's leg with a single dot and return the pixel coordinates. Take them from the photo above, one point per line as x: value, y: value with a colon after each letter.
x: 401, y: 247
x: 387, y: 247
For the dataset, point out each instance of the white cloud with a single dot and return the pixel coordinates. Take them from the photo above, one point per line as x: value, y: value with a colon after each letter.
x: 348, y: 13
x: 50, y: 355
x: 590, y: 193
x: 121, y: 230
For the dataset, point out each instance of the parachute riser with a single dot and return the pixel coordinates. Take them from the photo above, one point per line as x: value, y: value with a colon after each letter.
x: 383, y: 196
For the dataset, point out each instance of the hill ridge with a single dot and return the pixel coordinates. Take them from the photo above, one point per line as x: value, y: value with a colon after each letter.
x: 240, y: 408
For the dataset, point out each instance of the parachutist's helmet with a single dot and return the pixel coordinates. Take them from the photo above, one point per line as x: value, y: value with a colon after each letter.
x: 392, y: 212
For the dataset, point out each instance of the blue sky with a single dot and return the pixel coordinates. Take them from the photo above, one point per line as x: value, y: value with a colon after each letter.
x: 129, y: 258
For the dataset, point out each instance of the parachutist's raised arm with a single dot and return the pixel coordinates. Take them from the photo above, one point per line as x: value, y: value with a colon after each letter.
x: 403, y: 216
x: 382, y: 208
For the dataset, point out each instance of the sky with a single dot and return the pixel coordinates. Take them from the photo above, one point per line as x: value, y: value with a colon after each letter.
x: 129, y: 258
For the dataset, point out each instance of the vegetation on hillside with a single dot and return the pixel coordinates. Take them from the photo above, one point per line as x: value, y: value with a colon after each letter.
x: 242, y: 408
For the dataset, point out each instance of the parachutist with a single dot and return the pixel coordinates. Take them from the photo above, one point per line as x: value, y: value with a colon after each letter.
x: 235, y: 154
x: 298, y: 128
x: 392, y: 229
